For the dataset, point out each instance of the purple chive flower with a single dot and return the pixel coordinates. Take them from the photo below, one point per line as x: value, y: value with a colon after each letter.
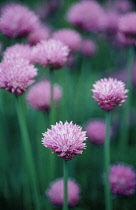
x: 16, y: 75
x: 39, y: 95
x: 18, y: 51
x: 65, y: 139
x: 109, y: 93
x: 96, y: 130
x: 51, y: 53
x: 122, y: 179
x: 17, y: 20
x: 55, y: 192
x: 111, y: 22
x: 122, y: 6
x: 69, y: 37
x: 79, y: 15
x: 41, y: 33
x: 127, y: 26
x: 88, y: 48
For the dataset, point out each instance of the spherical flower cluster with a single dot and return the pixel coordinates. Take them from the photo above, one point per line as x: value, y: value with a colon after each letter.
x: 55, y: 192
x: 127, y: 26
x: 41, y: 33
x: 17, y: 20
x: 65, y: 139
x: 18, y: 51
x: 88, y: 48
x: 96, y: 131
x: 122, y: 179
x: 16, y: 75
x: 122, y: 6
x: 109, y: 93
x: 69, y: 37
x: 88, y: 15
x: 51, y: 53
x: 111, y: 22
x: 39, y: 95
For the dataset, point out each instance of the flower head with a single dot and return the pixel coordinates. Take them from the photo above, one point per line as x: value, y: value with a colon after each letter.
x: 18, y: 51
x: 79, y: 15
x: 39, y: 34
x: 55, y: 192
x: 109, y: 93
x: 51, y: 53
x: 16, y: 75
x: 96, y: 131
x: 17, y: 20
x: 127, y: 26
x: 122, y: 179
x: 39, y: 95
x: 65, y: 139
x: 69, y: 37
x: 88, y: 48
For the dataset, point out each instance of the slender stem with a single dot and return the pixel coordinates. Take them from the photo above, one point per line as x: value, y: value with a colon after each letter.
x: 124, y: 133
x: 65, y: 175
x: 107, y: 163
x: 52, y: 116
x: 27, y: 151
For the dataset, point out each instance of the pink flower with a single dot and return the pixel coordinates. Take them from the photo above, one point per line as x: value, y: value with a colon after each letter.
x: 88, y: 15
x: 88, y: 48
x: 111, y: 22
x: 17, y: 20
x: 39, y: 34
x: 127, y: 26
x: 39, y: 95
x: 51, y: 53
x: 122, y: 179
x: 96, y: 131
x: 109, y: 93
x: 16, y: 75
x: 55, y: 192
x: 18, y: 51
x: 122, y: 6
x: 69, y: 37
x: 65, y: 139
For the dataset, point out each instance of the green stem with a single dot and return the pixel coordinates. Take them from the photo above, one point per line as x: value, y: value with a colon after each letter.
x: 27, y: 151
x: 107, y: 163
x: 124, y: 133
x: 65, y: 175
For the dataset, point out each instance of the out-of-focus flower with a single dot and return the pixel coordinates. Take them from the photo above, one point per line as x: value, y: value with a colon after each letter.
x: 127, y: 27
x: 55, y: 192
x: 96, y: 130
x: 123, y: 6
x: 51, y: 53
x: 122, y: 179
x: 109, y: 93
x: 39, y: 95
x: 16, y: 75
x: 87, y: 15
x: 88, y: 48
x: 17, y: 20
x: 111, y: 22
x: 41, y: 33
x: 18, y: 51
x: 69, y: 37
x: 65, y: 139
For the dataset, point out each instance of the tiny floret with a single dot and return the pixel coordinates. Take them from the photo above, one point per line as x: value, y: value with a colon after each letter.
x: 55, y: 192
x: 67, y: 140
x: 16, y: 75
x: 51, y: 53
x: 39, y: 95
x: 109, y: 93
x: 122, y: 179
